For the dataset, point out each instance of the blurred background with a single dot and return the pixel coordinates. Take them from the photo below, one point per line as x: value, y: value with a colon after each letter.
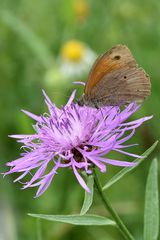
x: 48, y: 45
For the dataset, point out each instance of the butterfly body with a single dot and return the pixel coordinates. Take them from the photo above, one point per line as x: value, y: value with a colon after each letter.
x: 115, y: 79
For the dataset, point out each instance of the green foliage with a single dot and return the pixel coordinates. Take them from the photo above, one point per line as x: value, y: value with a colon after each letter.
x: 89, y: 220
x: 151, y: 214
x: 31, y: 36
x: 88, y: 198
x: 125, y: 171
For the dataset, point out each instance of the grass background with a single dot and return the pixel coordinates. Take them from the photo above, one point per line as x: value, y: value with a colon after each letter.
x: 31, y: 36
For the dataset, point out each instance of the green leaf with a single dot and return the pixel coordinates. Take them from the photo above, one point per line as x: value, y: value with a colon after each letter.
x: 28, y: 36
x: 76, y: 219
x: 151, y: 213
x: 39, y: 229
x: 88, y: 198
x: 126, y: 170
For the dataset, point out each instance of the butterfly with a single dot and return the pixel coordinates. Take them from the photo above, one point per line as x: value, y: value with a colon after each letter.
x: 115, y: 79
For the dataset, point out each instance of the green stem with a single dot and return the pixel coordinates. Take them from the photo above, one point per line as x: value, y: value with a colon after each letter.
x: 127, y: 235
x: 39, y: 233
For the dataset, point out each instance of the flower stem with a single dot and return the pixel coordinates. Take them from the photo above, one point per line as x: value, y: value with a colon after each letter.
x: 39, y: 233
x: 127, y: 235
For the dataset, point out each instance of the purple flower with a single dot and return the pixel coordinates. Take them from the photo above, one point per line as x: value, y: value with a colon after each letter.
x: 73, y: 137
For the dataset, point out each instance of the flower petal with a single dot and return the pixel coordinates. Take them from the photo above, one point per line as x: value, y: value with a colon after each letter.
x: 80, y: 179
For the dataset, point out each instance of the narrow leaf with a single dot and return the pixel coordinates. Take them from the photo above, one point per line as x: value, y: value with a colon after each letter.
x: 28, y: 36
x: 39, y: 228
x: 76, y: 219
x: 126, y: 170
x: 151, y: 213
x: 88, y: 198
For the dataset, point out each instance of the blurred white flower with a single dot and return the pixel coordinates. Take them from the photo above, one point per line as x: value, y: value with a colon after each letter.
x: 76, y: 59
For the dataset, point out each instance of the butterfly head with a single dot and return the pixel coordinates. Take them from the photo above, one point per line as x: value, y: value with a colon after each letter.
x: 81, y: 101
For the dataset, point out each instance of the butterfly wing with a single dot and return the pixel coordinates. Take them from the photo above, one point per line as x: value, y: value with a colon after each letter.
x: 116, y: 79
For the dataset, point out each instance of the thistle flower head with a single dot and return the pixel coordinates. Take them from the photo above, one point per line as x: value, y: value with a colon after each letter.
x: 73, y: 137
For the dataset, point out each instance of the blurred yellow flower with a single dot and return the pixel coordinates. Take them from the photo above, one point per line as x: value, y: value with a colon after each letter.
x: 81, y: 9
x: 73, y: 51
x: 75, y: 59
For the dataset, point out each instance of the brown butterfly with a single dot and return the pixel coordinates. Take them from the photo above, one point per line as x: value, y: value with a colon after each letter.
x: 115, y: 79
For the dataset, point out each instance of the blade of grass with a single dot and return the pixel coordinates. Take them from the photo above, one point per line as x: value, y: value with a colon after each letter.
x: 29, y: 37
x: 126, y: 170
x: 151, y: 213
x: 39, y: 231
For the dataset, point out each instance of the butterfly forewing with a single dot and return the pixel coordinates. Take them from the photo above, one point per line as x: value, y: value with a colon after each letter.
x: 116, y: 79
